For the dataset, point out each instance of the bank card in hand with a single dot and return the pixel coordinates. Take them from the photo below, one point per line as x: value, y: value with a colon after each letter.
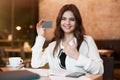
x: 47, y: 24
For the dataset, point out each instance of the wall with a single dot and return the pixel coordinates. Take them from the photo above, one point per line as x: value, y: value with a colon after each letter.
x: 101, y: 18
x: 5, y: 17
x: 17, y: 13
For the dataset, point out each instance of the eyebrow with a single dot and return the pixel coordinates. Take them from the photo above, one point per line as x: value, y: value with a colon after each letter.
x: 69, y: 18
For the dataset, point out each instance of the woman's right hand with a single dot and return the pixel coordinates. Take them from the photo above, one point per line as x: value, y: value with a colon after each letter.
x: 40, y: 30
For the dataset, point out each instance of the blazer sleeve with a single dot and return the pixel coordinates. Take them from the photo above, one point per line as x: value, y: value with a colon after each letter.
x: 39, y: 58
x: 91, y: 63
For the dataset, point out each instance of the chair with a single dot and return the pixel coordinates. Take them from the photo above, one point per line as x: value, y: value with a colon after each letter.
x: 108, y: 63
x: 2, y: 63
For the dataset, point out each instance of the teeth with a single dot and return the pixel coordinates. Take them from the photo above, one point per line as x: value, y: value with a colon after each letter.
x: 67, y: 27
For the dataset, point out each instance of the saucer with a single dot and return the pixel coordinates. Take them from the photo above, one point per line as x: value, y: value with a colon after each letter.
x: 19, y: 66
x: 10, y: 66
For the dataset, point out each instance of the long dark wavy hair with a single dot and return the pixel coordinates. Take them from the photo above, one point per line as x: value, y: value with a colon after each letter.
x: 79, y: 29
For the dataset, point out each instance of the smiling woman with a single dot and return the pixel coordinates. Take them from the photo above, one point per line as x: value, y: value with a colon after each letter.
x: 71, y: 48
x: 68, y: 22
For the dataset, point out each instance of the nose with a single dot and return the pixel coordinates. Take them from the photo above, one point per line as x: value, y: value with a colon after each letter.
x: 67, y: 22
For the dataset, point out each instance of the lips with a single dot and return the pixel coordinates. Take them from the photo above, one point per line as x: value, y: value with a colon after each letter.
x: 67, y: 27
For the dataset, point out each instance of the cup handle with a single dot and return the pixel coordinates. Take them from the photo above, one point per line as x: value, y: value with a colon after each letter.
x: 21, y: 61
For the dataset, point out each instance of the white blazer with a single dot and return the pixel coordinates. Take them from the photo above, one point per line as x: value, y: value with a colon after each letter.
x: 89, y: 60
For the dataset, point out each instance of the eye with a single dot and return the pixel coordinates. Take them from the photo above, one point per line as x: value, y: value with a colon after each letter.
x: 72, y: 19
x: 63, y: 18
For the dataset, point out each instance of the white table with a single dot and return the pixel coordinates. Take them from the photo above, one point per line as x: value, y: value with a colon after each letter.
x: 47, y: 74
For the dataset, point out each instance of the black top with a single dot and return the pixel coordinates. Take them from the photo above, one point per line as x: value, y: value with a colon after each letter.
x: 62, y: 57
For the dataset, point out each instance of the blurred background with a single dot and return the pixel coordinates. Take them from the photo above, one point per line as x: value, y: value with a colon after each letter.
x: 18, y: 18
x: 101, y: 19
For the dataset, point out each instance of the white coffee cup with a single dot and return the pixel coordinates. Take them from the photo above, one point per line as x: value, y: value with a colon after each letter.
x: 15, y: 61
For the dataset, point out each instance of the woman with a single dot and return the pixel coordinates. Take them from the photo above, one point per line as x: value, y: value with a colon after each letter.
x: 71, y: 48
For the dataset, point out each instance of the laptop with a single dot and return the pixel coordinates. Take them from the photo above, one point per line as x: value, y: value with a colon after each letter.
x: 19, y: 75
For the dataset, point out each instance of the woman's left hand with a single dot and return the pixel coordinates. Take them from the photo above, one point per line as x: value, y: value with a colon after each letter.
x: 71, y: 50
